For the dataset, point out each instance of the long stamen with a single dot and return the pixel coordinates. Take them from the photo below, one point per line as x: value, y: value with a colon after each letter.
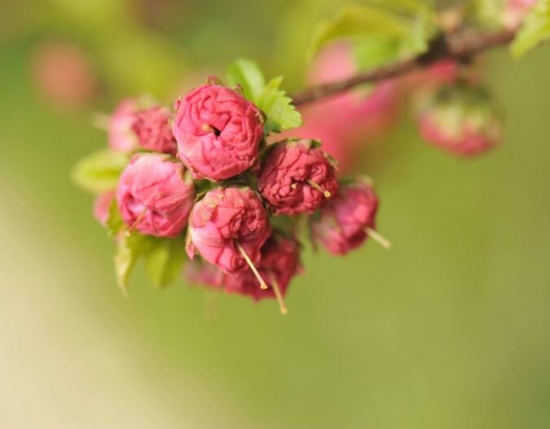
x: 385, y: 243
x: 263, y: 285
x: 326, y: 193
x: 138, y: 220
x: 278, y: 294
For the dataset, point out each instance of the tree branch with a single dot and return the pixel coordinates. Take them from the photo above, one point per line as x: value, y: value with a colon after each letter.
x: 460, y: 46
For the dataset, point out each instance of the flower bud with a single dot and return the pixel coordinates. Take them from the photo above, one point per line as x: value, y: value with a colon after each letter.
x: 279, y: 263
x: 64, y: 74
x: 137, y: 122
x: 226, y: 225
x: 342, y: 224
x: 460, y: 119
x: 297, y: 177
x: 218, y: 132
x: 155, y: 196
x: 153, y: 130
x: 120, y: 133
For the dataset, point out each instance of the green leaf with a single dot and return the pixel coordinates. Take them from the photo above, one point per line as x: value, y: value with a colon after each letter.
x: 281, y: 113
x: 411, y: 7
x: 371, y: 52
x: 99, y: 172
x: 407, y: 23
x: 129, y: 249
x: 269, y: 98
x: 164, y: 260
x: 248, y: 75
x: 114, y: 222
x: 536, y: 29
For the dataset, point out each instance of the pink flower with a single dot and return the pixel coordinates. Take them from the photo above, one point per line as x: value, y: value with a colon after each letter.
x: 461, y: 120
x: 120, y: 131
x: 344, y: 222
x: 102, y: 205
x: 136, y: 122
x: 227, y: 224
x: 297, y: 177
x: 218, y: 132
x: 155, y: 196
x: 153, y: 130
x: 279, y: 263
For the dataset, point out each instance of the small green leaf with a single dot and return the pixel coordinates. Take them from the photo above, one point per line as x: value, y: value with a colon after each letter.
x: 129, y: 249
x: 281, y: 113
x: 269, y: 98
x: 99, y: 172
x: 536, y: 29
x: 248, y: 75
x: 164, y: 260
x: 114, y: 222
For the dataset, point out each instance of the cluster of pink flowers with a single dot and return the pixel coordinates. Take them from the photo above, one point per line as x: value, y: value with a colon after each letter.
x: 205, y: 172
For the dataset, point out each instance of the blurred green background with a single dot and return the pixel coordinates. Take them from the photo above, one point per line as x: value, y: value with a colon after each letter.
x: 449, y: 329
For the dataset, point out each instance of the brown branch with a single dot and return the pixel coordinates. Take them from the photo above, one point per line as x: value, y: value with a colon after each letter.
x: 460, y: 46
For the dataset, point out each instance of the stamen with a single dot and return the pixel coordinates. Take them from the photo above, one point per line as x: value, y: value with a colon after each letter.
x: 263, y: 285
x: 386, y: 244
x: 278, y: 293
x: 326, y: 193
x: 210, y: 129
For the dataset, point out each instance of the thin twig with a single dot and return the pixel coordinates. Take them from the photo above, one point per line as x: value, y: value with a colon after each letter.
x: 460, y: 46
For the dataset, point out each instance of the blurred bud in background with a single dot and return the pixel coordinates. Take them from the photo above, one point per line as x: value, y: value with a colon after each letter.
x: 461, y: 119
x: 64, y: 75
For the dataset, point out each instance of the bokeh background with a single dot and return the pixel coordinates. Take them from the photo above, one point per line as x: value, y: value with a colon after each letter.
x: 449, y: 329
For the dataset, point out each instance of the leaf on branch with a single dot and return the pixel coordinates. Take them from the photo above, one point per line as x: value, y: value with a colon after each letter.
x: 281, y: 113
x: 99, y: 172
x: 164, y: 260
x: 269, y: 97
x: 402, y: 26
x: 129, y: 249
x: 536, y: 29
